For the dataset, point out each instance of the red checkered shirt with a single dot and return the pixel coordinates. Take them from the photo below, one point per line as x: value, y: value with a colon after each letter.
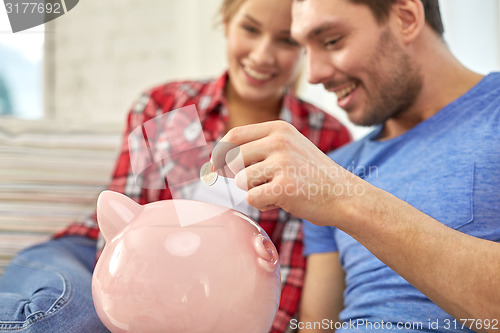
x: 208, y: 96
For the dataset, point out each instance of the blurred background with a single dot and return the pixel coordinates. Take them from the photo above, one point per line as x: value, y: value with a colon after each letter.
x: 88, y: 65
x: 66, y: 86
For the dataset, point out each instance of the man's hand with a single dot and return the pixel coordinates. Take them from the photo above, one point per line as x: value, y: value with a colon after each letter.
x: 279, y: 167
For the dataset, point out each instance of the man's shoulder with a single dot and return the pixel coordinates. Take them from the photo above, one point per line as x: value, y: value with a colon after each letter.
x: 492, y: 79
x: 479, y: 107
x: 487, y: 90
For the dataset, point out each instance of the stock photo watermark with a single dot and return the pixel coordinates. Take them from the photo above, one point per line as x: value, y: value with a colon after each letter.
x: 383, y: 326
x: 24, y: 14
x: 309, y: 181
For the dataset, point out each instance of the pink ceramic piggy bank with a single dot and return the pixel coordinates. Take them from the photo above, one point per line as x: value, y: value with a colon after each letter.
x: 181, y: 266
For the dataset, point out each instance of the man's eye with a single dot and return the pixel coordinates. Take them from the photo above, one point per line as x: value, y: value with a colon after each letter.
x: 331, y: 42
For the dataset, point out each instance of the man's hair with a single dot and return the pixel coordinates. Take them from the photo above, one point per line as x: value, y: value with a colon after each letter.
x: 382, y: 8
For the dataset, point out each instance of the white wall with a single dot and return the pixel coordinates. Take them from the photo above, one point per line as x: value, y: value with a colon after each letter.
x: 103, y: 53
x: 472, y: 30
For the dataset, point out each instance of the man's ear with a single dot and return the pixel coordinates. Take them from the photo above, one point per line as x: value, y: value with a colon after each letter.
x: 410, y: 17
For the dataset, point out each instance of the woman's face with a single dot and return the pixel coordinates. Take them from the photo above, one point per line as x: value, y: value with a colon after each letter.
x: 263, y: 59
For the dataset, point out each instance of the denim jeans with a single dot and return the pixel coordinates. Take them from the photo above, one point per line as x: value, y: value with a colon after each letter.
x: 47, y: 288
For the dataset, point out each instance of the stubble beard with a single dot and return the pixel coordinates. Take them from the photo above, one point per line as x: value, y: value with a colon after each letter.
x: 397, y: 87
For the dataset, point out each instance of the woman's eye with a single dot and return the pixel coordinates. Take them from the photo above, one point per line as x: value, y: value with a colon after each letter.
x: 289, y: 41
x: 250, y: 29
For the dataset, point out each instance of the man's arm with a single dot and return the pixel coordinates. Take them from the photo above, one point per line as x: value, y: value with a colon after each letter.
x: 322, y: 295
x: 456, y: 271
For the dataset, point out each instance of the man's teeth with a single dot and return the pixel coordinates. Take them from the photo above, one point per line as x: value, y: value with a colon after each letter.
x: 257, y: 75
x: 346, y: 91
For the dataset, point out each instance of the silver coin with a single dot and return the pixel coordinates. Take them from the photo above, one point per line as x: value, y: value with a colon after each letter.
x: 207, y: 176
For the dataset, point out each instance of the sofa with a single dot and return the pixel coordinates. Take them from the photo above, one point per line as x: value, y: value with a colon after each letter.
x: 50, y: 175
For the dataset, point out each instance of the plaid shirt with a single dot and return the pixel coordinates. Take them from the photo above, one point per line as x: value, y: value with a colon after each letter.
x: 208, y: 96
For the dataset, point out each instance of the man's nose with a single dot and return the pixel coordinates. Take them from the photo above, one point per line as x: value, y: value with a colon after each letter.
x: 319, y: 67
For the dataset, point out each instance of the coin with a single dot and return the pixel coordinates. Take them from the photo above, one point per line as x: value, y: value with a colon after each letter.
x: 207, y: 176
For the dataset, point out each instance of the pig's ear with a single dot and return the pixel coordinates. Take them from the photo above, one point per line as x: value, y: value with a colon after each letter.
x: 114, y: 212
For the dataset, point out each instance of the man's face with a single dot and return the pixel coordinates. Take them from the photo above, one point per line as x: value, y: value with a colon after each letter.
x: 357, y: 58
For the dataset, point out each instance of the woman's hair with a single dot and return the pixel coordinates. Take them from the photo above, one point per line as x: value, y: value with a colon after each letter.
x: 381, y: 9
x: 229, y: 8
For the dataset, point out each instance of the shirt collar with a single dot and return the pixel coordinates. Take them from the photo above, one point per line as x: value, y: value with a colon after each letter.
x: 215, y: 96
x: 290, y: 108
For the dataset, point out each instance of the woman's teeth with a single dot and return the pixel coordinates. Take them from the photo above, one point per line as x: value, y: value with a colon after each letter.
x: 346, y: 91
x: 256, y: 75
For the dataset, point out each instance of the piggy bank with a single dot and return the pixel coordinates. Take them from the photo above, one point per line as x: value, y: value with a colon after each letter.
x: 183, y: 266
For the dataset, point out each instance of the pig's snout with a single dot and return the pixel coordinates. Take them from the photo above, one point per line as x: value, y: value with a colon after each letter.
x: 267, y: 253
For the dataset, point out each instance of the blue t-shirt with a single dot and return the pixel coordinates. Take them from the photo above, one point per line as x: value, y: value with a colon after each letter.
x: 447, y: 167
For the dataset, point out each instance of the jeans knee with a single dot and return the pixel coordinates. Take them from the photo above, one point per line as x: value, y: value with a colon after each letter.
x: 30, y: 292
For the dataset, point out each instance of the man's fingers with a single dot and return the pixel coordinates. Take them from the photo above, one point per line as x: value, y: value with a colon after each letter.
x: 241, y: 135
x: 234, y: 160
x: 244, y: 134
x: 226, y: 172
x: 229, y: 157
x: 252, y: 176
x: 219, y: 153
x: 261, y: 197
